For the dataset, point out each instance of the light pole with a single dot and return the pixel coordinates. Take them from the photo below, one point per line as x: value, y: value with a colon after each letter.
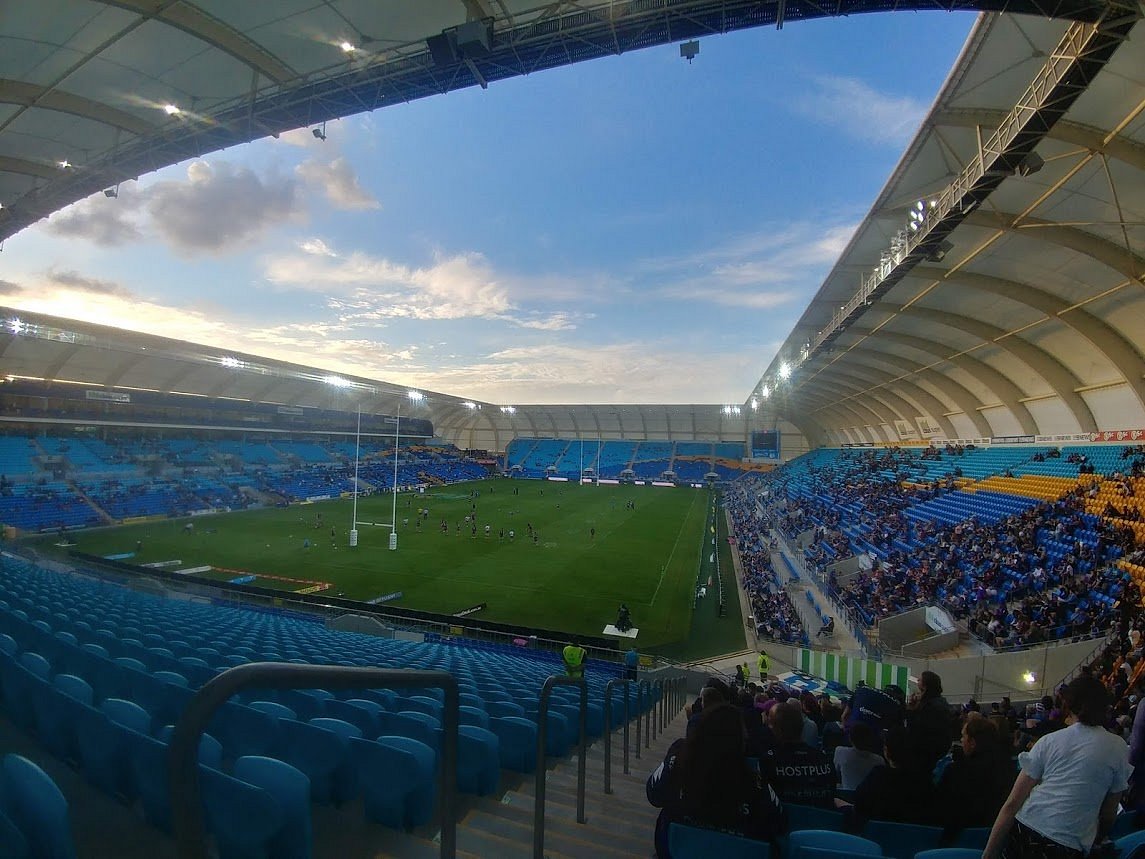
x: 357, y: 452
x: 397, y: 438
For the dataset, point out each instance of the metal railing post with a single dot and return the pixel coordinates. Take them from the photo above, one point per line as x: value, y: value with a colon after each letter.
x: 648, y: 718
x: 657, y: 686
x: 639, y: 712
x: 186, y: 795
x: 625, y: 683
x: 542, y: 769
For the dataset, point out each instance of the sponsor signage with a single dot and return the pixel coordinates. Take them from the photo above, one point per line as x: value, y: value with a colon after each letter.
x: 108, y: 396
x: 928, y: 427
x: 1012, y: 439
x: 1118, y: 435
x: 290, y: 410
x: 473, y: 609
x: 385, y: 598
x: 905, y: 429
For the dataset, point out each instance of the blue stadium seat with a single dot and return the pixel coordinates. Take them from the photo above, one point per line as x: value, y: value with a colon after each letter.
x: 317, y: 752
x: 801, y: 843
x: 902, y: 840
x: 34, y: 806
x: 478, y: 760
x: 518, y: 738
x: 291, y: 789
x: 690, y: 842
x: 243, y: 818
x: 396, y: 778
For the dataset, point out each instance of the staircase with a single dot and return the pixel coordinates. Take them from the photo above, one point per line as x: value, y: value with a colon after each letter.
x: 103, y: 515
x: 619, y: 824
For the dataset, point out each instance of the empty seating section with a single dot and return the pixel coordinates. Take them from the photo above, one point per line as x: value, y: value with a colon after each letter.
x: 615, y: 457
x: 98, y: 673
x: 652, y: 458
x: 55, y: 483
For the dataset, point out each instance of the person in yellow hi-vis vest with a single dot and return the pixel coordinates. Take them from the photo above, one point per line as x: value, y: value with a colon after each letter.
x: 574, y: 658
x: 764, y: 665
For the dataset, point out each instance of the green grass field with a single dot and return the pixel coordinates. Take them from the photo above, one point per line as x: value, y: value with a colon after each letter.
x: 647, y: 557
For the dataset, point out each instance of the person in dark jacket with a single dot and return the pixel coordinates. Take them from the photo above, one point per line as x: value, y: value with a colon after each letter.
x: 898, y: 792
x: 798, y: 772
x: 930, y: 725
x: 975, y: 785
x: 706, y: 781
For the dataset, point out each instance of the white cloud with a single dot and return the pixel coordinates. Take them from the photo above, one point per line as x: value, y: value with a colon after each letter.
x: 761, y: 270
x: 339, y: 183
x: 105, y: 221
x: 860, y: 110
x: 362, y: 287
x: 220, y: 207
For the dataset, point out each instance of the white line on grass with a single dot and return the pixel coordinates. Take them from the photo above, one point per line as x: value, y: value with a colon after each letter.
x: 679, y: 534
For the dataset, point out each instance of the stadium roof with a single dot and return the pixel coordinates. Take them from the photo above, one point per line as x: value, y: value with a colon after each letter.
x: 95, y: 92
x: 1014, y: 309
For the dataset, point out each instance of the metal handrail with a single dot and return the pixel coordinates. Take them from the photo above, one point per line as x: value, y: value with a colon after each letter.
x: 186, y: 808
x: 640, y: 687
x: 542, y: 735
x: 644, y: 713
x: 608, y: 687
x: 657, y: 685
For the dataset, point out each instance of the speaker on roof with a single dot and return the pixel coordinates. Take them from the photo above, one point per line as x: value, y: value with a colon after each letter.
x: 475, y: 38
x: 442, y: 49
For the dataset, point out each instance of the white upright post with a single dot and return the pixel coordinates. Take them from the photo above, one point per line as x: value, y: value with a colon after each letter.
x: 397, y: 437
x: 357, y: 453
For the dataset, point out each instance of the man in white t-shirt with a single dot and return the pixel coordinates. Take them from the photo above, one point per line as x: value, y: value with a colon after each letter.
x: 1066, y: 796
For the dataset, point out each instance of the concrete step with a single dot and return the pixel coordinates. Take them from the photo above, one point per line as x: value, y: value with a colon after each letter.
x: 560, y: 818
x: 595, y: 800
x: 598, y: 811
x: 520, y: 835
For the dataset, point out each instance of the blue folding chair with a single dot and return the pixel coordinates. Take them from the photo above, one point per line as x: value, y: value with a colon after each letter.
x: 291, y: 789
x: 800, y: 845
x: 396, y: 778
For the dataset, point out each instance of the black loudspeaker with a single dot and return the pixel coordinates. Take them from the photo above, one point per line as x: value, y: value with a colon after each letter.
x: 442, y: 49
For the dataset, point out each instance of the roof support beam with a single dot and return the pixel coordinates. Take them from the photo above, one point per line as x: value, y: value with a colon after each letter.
x: 1103, y: 337
x: 1059, y: 377
x: 1002, y: 388
x: 195, y: 22
x: 33, y: 95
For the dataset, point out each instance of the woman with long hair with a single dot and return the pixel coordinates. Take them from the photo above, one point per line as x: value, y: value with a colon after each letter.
x: 706, y: 781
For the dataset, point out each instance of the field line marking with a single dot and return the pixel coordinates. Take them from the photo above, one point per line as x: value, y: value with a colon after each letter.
x: 671, y: 554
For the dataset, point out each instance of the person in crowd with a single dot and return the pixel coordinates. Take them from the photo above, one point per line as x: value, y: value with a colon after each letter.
x: 854, y: 762
x: 798, y: 772
x: 930, y: 724
x: 705, y: 780
x: 975, y: 785
x: 1066, y: 795
x: 881, y: 709
x: 631, y: 663
x: 900, y: 792
x: 574, y: 657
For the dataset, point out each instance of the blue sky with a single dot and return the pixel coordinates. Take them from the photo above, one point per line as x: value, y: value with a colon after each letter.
x: 634, y: 229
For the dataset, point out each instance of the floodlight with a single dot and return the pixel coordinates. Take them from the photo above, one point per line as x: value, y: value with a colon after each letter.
x: 690, y: 50
x: 320, y: 133
x: 228, y: 361
x: 469, y: 405
x: 17, y: 326
x: 509, y: 409
x: 172, y: 109
x: 785, y: 370
x: 347, y: 47
x: 111, y: 192
x: 338, y: 382
x: 1030, y: 677
x: 415, y: 396
x: 64, y: 164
